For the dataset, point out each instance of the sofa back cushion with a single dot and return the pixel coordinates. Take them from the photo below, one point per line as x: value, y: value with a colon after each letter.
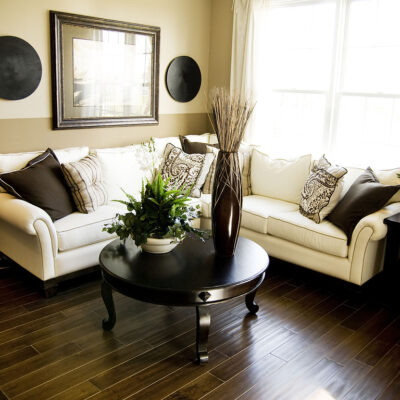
x: 384, y: 176
x: 389, y: 177
x: 209, y: 182
x: 212, y: 139
x: 15, y: 161
x: 352, y: 174
x: 279, y: 178
x: 160, y: 145
x: 123, y: 169
x: 245, y: 153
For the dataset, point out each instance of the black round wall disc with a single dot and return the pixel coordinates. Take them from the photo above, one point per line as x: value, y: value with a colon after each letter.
x: 183, y: 79
x: 20, y: 68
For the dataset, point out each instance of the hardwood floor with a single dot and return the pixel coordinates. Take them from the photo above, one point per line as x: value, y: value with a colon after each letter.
x: 314, y: 338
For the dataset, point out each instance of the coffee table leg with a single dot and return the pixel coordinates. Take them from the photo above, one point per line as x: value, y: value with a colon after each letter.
x: 106, y: 294
x: 251, y: 305
x: 203, y: 326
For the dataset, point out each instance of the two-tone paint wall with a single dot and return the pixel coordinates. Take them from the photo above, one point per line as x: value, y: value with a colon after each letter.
x: 201, y: 29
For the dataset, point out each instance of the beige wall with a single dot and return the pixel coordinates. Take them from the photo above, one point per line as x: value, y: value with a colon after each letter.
x: 219, y: 67
x: 201, y: 29
x: 25, y: 134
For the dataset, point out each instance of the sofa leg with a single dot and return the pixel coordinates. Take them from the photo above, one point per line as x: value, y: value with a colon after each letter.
x: 49, y: 289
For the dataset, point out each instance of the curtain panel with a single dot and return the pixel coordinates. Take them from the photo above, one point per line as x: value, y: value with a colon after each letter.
x: 249, y: 17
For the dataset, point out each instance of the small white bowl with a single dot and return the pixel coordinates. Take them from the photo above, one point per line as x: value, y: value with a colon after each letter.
x: 159, y: 246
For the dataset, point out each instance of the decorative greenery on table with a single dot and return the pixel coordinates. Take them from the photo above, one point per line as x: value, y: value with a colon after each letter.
x: 161, y: 213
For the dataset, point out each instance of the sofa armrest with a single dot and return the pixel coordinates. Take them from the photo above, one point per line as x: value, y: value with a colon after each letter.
x: 375, y: 222
x: 28, y: 218
x: 366, y: 252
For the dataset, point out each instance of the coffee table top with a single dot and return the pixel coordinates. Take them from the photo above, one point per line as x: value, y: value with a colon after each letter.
x: 190, y: 275
x: 191, y: 265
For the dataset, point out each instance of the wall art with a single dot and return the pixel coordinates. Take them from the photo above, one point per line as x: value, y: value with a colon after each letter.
x: 104, y: 72
x: 183, y: 79
x: 20, y: 68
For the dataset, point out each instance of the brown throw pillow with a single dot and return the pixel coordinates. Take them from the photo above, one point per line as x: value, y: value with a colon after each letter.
x: 42, y: 184
x: 190, y: 147
x: 365, y: 196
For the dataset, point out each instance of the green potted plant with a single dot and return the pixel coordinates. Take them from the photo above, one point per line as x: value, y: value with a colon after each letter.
x: 160, y: 220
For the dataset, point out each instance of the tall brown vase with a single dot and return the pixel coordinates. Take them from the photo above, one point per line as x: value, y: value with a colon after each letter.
x: 226, y: 205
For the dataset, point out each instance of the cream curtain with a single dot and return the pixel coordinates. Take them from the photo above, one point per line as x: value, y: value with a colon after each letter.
x: 249, y: 18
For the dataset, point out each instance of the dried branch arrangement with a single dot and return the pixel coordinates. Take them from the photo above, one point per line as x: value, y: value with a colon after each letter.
x: 230, y: 114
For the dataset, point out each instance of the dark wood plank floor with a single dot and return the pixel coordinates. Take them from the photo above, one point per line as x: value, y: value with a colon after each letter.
x: 314, y: 338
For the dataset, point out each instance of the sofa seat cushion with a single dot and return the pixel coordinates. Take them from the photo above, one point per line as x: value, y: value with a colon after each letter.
x: 257, y: 209
x: 294, y: 227
x: 78, y: 230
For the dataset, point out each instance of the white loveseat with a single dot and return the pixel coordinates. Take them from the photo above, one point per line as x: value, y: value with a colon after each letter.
x: 54, y: 250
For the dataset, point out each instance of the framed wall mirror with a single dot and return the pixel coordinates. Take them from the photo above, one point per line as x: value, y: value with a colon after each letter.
x: 104, y: 72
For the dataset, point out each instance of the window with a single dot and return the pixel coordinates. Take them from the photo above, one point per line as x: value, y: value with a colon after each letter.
x: 331, y: 74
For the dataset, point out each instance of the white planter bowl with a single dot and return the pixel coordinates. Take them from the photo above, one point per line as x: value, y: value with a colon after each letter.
x: 159, y: 246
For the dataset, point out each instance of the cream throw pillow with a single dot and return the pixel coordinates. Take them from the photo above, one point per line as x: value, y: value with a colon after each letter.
x: 85, y: 182
x: 279, y: 178
x: 208, y: 184
x: 322, y: 190
x: 245, y: 152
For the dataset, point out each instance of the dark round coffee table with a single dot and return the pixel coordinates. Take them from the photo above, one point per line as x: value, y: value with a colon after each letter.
x: 190, y: 275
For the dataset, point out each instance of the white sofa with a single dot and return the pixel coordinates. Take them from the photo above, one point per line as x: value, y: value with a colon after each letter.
x: 54, y: 251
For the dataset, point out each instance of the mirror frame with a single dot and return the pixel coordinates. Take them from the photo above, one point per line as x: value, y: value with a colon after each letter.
x: 59, y: 58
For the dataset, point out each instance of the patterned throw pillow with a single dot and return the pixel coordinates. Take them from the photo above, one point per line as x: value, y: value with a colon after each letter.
x: 84, y: 179
x: 190, y: 147
x: 322, y: 190
x: 185, y: 170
